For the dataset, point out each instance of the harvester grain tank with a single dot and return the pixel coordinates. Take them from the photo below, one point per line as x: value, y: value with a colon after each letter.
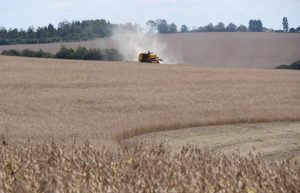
x: 149, y: 57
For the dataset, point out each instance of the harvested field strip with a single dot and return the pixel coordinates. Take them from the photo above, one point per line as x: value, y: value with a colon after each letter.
x: 275, y: 140
x: 182, y: 125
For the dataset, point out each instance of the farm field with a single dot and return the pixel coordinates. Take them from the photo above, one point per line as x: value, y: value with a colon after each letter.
x: 275, y: 141
x: 150, y: 96
x: 73, y: 126
x: 105, y: 102
x: 235, y: 50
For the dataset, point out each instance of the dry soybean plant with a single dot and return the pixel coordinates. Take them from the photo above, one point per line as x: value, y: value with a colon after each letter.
x: 54, y: 168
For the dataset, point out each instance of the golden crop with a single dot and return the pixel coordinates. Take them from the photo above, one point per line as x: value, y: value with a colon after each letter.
x: 66, y: 101
x: 53, y: 168
x: 44, y: 99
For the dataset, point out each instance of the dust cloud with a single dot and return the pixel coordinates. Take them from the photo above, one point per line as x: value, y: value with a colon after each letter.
x: 131, y: 43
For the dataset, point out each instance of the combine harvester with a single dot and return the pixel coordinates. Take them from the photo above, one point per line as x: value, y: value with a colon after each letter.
x: 149, y: 57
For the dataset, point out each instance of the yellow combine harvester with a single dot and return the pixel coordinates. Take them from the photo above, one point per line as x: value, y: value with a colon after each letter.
x: 149, y: 58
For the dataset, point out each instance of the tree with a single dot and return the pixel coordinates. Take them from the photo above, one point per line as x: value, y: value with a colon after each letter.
x: 152, y: 26
x: 13, y: 33
x: 285, y: 24
x: 65, y: 53
x: 80, y: 53
x: 260, y: 27
x: 200, y: 29
x: 220, y: 27
x: 41, y: 32
x: 292, y: 30
x: 255, y: 26
x: 209, y: 28
x: 184, y: 29
x: 162, y: 26
x: 30, y: 33
x: 172, y: 28
x: 66, y: 31
x: 51, y: 29
x: 231, y: 28
x: 298, y: 29
x: 242, y: 28
x: 3, y: 33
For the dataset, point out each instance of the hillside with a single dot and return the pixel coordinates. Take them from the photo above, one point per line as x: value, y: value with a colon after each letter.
x: 66, y: 100
x: 245, y: 50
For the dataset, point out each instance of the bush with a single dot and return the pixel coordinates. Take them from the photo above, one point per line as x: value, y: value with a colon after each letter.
x: 293, y: 66
x: 65, y: 53
x: 11, y: 52
x: 81, y: 53
x: 112, y: 55
x: 28, y: 53
x: 296, y: 65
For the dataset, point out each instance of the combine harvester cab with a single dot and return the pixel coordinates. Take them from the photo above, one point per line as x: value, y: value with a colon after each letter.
x: 149, y: 58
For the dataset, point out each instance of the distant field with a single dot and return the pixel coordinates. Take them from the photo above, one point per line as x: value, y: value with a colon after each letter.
x: 67, y: 101
x: 243, y: 50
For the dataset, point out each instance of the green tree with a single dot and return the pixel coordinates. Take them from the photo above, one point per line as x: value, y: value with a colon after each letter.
x: 173, y: 28
x: 255, y: 26
x: 66, y: 31
x: 285, y: 24
x: 292, y: 30
x: 30, y: 33
x: 13, y: 33
x: 209, y: 28
x: 51, y: 30
x: 200, y: 29
x: 11, y: 52
x: 162, y: 26
x: 41, y: 33
x: 242, y: 28
x: 184, y: 29
x: 65, y: 53
x: 231, y: 28
x: 111, y: 55
x: 80, y: 53
x: 3, y: 33
x: 152, y: 26
x: 220, y: 27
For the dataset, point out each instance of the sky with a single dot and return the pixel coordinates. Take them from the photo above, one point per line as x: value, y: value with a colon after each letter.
x: 193, y: 13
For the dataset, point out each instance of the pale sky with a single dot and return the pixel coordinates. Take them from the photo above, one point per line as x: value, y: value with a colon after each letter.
x: 193, y: 13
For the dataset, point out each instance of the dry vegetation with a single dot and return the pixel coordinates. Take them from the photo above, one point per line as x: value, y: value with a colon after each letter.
x: 274, y: 141
x: 52, y: 168
x: 71, y: 102
x: 67, y: 100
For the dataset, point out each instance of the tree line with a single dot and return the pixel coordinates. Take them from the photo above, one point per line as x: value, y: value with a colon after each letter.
x: 285, y: 24
x: 81, y: 53
x: 162, y: 26
x: 65, y: 32
x: 91, y: 29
